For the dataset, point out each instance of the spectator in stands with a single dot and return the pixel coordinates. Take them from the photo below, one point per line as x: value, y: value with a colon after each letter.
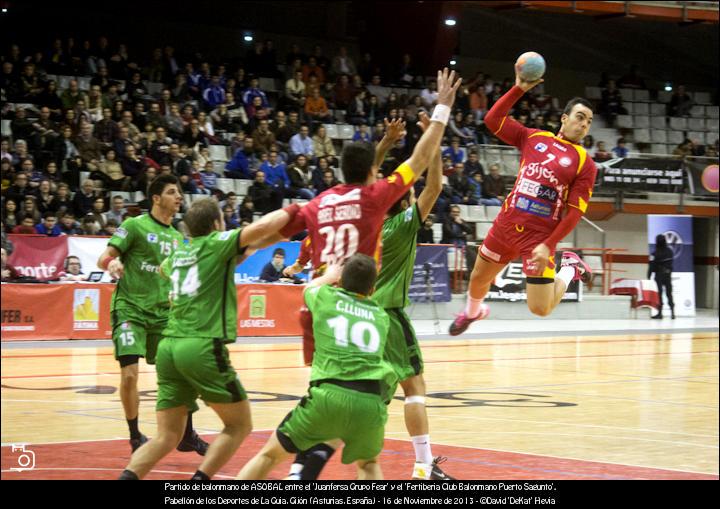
x: 62, y: 201
x: 117, y: 210
x: 328, y: 181
x: 455, y: 230
x: 88, y: 226
x: 611, y: 103
x: 10, y: 216
x: 588, y: 142
x: 21, y: 126
x: 680, y: 103
x: 321, y: 167
x: 312, y: 69
x: 19, y: 189
x: 89, y: 148
x: 174, y: 121
x: 358, y: 108
x: 98, y: 213
x: 253, y: 91
x: 106, y: 130
x: 45, y: 131
x: 264, y: 197
x: 49, y: 225
x: 426, y: 235
x: 456, y: 154
x: 473, y: 166
x: 246, y: 211
x: 362, y: 134
x: 26, y: 227
x: 239, y: 166
x: 126, y: 120
x: 68, y: 225
x: 601, y: 154
x: 73, y: 270
x: 84, y: 198
x: 213, y: 95
x: 300, y: 177
x: 458, y: 129
x: 45, y: 197
x: 343, y: 92
x: 9, y: 273
x: 133, y: 167
x: 209, y: 177
x: 72, y: 95
x: 111, y: 227
x: 301, y: 143
x: 193, y: 136
x: 323, y: 146
x: 295, y: 91
x: 684, y: 149
x: 343, y: 64
x: 462, y: 191
x: 231, y: 218
x: 9, y: 82
x: 620, y: 149
x: 263, y: 138
x: 316, y: 109
x: 155, y: 116
x: 111, y: 173
x: 429, y: 95
x: 494, y: 187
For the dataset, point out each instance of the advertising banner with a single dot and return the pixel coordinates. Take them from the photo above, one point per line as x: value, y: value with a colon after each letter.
x: 88, y: 249
x: 511, y: 285
x: 702, y: 176
x: 269, y: 309
x: 38, y: 256
x: 431, y: 278
x: 35, y: 311
x: 663, y: 175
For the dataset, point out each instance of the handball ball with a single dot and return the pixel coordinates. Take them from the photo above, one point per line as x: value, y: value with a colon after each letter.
x: 532, y: 66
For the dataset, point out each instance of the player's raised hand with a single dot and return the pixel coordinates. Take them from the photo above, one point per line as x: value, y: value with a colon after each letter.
x: 116, y: 269
x: 395, y: 129
x: 333, y: 272
x: 447, y: 84
x: 525, y: 85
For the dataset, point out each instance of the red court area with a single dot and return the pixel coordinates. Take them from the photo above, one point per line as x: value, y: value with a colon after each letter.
x: 106, y: 459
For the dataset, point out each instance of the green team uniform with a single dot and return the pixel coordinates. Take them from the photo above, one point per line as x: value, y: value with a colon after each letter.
x: 399, y: 241
x: 348, y: 376
x: 192, y: 358
x: 139, y: 307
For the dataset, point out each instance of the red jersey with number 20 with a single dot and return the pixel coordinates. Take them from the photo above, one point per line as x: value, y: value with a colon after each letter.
x: 553, y: 173
x: 348, y: 218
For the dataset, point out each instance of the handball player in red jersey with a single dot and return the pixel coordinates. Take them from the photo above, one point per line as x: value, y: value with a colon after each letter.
x: 550, y: 195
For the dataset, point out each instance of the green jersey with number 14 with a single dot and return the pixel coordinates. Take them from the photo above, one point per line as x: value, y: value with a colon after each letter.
x: 203, y: 294
x: 350, y: 336
x: 143, y: 242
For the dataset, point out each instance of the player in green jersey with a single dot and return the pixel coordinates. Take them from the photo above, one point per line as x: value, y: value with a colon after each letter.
x: 192, y: 359
x: 140, y: 306
x: 349, y: 375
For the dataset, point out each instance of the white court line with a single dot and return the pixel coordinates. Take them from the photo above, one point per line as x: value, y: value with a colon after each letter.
x: 114, y: 470
x: 574, y: 459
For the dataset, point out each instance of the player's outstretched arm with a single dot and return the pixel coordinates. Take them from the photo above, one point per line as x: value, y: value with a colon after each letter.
x: 429, y: 142
x: 109, y: 261
x: 330, y: 276
x: 433, y: 182
x: 266, y: 230
x: 394, y: 131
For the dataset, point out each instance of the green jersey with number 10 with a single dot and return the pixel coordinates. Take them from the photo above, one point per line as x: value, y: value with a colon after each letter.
x: 203, y: 294
x: 350, y: 336
x: 143, y: 242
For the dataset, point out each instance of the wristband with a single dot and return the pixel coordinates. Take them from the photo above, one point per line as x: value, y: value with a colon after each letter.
x: 106, y: 263
x: 441, y: 114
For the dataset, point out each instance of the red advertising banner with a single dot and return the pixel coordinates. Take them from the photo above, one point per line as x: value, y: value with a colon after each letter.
x: 38, y: 256
x: 269, y: 310
x: 82, y: 310
x: 35, y: 311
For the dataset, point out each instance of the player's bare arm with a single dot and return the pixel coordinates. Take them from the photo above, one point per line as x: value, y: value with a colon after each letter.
x: 330, y: 276
x: 433, y: 181
x: 265, y: 231
x: 109, y: 260
x: 448, y: 84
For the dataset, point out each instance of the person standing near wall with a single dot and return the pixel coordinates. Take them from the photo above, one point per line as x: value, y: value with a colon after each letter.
x: 661, y: 264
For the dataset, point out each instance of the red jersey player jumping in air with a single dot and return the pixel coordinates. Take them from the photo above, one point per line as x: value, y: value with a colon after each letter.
x: 348, y: 218
x: 550, y: 196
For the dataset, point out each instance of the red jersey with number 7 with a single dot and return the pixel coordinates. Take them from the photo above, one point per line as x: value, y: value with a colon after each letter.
x: 554, y: 172
x: 348, y: 218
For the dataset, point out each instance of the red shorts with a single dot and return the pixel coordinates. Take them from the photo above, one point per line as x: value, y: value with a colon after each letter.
x: 506, y: 242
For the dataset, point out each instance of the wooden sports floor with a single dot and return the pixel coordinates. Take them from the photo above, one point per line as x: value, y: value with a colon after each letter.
x: 615, y: 406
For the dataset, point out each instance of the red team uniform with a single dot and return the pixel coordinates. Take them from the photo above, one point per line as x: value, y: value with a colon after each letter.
x: 345, y: 220
x: 554, y: 174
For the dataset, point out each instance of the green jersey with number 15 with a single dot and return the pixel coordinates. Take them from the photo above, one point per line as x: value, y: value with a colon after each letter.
x: 350, y: 336
x: 203, y: 294
x: 143, y: 242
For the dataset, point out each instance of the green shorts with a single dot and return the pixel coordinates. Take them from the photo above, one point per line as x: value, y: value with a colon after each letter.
x: 402, y: 350
x: 135, y: 333
x: 192, y: 367
x: 329, y: 412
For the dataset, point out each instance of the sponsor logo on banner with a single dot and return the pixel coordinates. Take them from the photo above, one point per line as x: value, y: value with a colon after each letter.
x: 533, y: 207
x: 675, y: 243
x: 258, y: 306
x: 38, y: 257
x: 541, y: 147
x: 537, y: 190
x: 12, y: 318
x: 511, y: 285
x: 86, y: 309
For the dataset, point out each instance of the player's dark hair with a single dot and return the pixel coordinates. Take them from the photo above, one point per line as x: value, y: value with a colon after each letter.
x: 200, y: 219
x: 357, y: 161
x: 577, y: 100
x: 359, y: 274
x: 157, y: 186
x: 397, y: 206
